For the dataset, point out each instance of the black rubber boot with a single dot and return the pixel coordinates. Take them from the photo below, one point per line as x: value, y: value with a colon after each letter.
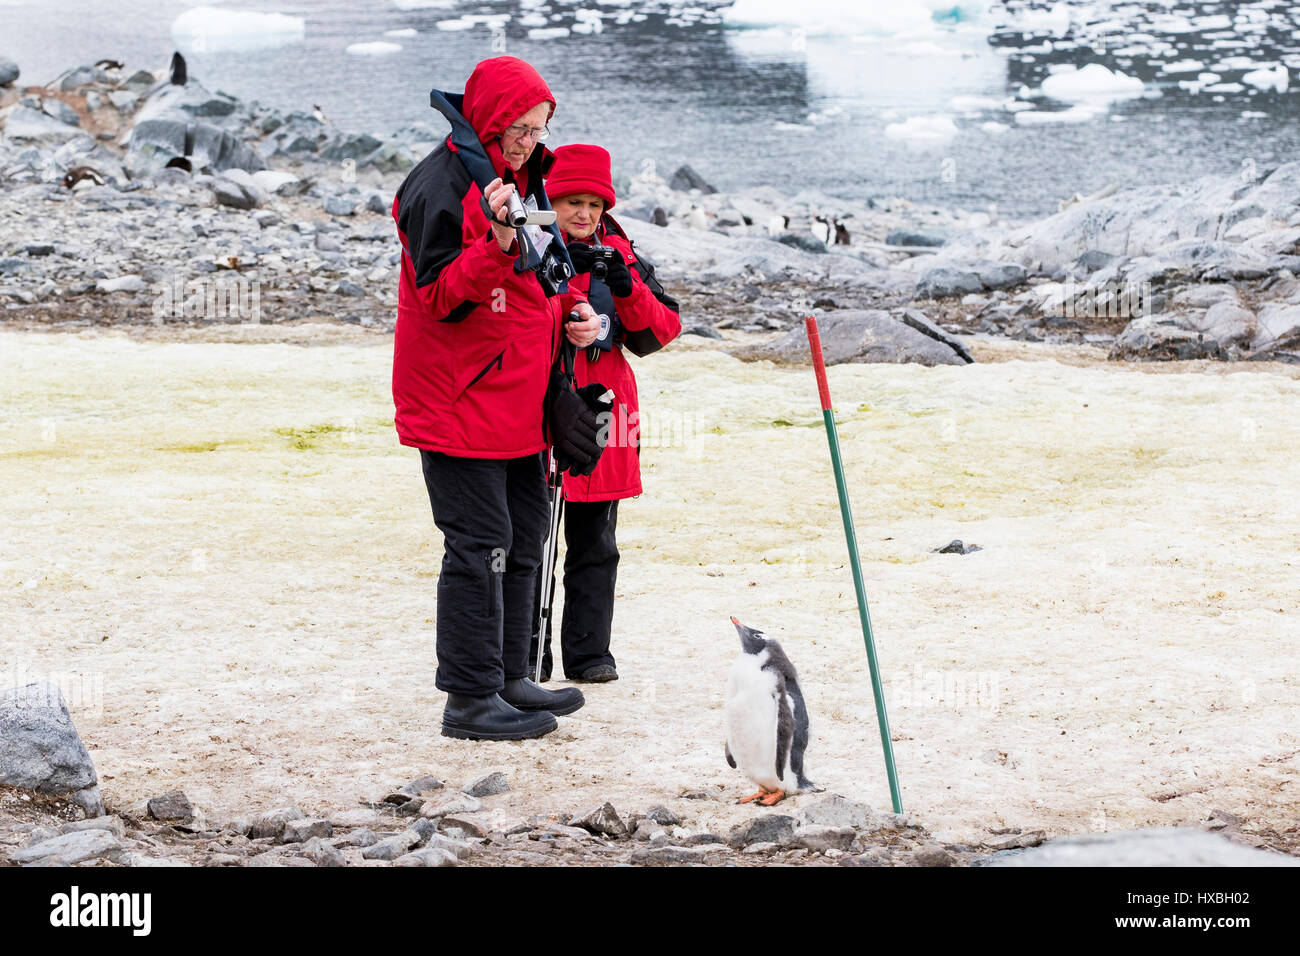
x: 526, y: 695
x: 491, y: 718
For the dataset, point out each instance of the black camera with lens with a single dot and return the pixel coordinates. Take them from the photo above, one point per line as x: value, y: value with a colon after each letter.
x: 552, y: 273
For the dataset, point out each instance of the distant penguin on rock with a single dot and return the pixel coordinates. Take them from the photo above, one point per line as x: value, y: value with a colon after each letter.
x: 659, y: 217
x: 767, y: 720
x: 82, y: 177
x: 180, y: 73
x: 821, y: 229
x: 696, y: 218
x: 777, y: 225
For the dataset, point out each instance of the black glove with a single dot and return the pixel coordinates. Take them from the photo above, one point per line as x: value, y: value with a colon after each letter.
x: 618, y: 276
x: 581, y: 255
x: 577, y: 432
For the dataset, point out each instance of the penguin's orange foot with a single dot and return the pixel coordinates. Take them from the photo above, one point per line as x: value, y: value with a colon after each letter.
x: 774, y: 796
x: 754, y: 796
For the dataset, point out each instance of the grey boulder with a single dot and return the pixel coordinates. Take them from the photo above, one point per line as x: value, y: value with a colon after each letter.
x: 40, y: 749
x: 852, y: 335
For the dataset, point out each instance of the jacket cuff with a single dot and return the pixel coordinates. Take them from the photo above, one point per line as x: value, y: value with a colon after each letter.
x: 494, y: 249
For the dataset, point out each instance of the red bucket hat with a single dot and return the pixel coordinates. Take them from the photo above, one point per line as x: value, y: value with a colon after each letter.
x: 580, y: 168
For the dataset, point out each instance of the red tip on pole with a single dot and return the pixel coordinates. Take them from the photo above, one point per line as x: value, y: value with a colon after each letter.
x: 819, y: 364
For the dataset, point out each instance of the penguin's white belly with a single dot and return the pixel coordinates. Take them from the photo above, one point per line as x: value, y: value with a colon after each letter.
x: 751, y: 714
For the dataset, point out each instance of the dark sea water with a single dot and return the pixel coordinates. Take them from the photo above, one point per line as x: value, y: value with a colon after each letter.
x: 792, y: 105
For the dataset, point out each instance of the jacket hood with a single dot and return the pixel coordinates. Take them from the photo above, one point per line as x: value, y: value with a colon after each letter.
x: 501, y: 90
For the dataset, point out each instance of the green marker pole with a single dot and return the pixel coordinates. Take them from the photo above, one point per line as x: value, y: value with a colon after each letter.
x: 832, y: 436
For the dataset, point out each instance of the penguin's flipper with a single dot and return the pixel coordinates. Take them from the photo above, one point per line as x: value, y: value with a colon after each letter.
x: 731, y: 761
x: 784, y: 729
x: 801, y: 732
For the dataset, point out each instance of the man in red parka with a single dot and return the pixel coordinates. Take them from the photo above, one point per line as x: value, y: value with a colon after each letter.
x: 642, y: 319
x: 474, y: 345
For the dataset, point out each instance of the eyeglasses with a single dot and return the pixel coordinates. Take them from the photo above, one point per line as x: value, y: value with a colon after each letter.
x: 538, y: 134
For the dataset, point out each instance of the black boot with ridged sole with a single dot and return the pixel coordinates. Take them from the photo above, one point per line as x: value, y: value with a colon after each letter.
x: 491, y: 718
x: 527, y: 695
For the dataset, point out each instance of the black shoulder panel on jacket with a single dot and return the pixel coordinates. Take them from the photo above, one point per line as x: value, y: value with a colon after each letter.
x: 429, y: 212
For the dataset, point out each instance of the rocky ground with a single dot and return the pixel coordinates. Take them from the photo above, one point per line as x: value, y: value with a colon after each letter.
x: 199, y: 189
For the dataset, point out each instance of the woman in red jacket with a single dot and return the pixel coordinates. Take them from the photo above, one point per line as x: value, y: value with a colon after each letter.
x: 473, y: 350
x: 642, y: 319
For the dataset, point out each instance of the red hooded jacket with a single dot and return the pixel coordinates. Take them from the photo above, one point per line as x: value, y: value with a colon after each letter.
x: 649, y: 322
x: 475, y: 340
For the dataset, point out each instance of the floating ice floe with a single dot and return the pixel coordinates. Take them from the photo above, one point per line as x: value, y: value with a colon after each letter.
x: 994, y: 127
x: 1091, y: 83
x: 547, y: 33
x: 1183, y: 66
x: 1269, y: 78
x: 373, y: 48
x: 402, y: 34
x: 923, y: 129
x: 218, y: 30
x: 1081, y: 113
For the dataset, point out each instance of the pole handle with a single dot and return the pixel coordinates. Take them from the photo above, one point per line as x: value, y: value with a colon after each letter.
x: 819, y: 363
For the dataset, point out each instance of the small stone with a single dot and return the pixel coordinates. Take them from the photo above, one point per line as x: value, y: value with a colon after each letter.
x: 701, y: 839
x: 411, y: 807
x: 488, y: 785
x: 933, y: 856
x: 768, y: 828
x: 348, y: 288
x: 1219, y: 819
x: 299, y: 831
x: 450, y: 803
x: 321, y: 853
x: 461, y: 826
x: 419, y: 785
x: 663, y: 816
x: 272, y: 823
x: 756, y: 848
x: 340, y: 206
x: 171, y: 806
x: 8, y: 72
x: 68, y: 848
x: 361, y: 838
x: 839, y: 811
x: 820, y: 838
x: 675, y: 854
x: 121, y: 284
x: 112, y: 824
x: 429, y: 856
x: 392, y: 847
x: 603, y: 820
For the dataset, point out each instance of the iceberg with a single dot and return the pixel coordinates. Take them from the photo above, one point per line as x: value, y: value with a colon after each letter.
x: 1269, y: 78
x: 374, y: 48
x: 923, y: 129
x: 219, y: 30
x: 1091, y: 83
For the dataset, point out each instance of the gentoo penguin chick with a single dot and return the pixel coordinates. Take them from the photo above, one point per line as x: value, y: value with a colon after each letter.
x: 696, y: 218
x: 659, y: 217
x: 842, y: 234
x: 82, y: 177
x: 767, y: 722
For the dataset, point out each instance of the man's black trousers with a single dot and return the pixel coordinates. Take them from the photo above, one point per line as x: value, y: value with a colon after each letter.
x: 493, y: 514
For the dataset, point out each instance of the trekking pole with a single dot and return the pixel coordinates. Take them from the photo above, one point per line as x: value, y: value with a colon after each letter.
x: 832, y: 436
x: 546, y: 592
